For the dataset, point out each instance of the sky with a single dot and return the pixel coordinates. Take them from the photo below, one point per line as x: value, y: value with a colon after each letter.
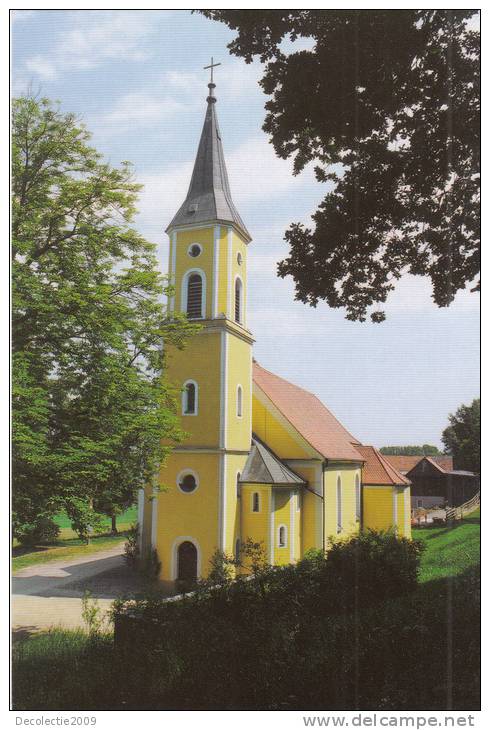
x: 136, y: 79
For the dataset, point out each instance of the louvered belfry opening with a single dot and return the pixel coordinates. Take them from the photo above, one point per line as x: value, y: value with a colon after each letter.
x: 194, y: 296
x: 238, y: 303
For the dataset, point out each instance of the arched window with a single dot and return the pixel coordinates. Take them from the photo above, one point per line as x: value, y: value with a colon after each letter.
x: 190, y: 398
x: 239, y: 401
x: 299, y: 496
x: 238, y: 299
x: 282, y: 536
x: 194, y: 295
x: 358, y: 498
x: 238, y: 484
x: 339, y: 504
x: 255, y: 502
x: 187, y: 481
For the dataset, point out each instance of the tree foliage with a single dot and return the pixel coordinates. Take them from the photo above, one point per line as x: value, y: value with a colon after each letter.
x: 386, y: 105
x: 425, y: 450
x: 90, y: 405
x: 462, y: 437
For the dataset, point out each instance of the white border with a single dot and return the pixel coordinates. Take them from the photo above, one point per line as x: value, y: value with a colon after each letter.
x: 195, y: 243
x: 173, y: 260
x: 183, y: 473
x: 338, y: 482
x: 196, y: 397
x: 154, y: 519
x: 239, y: 389
x: 252, y: 510
x: 217, y: 235
x: 184, y: 287
x: 141, y: 518
x: 229, y: 312
x: 278, y: 532
x: 224, y: 482
x: 175, y: 546
x: 241, y: 318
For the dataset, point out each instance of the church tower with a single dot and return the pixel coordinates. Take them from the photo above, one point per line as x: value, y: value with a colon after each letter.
x: 198, y: 512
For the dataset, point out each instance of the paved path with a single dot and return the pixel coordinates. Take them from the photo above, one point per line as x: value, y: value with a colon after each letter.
x: 50, y: 594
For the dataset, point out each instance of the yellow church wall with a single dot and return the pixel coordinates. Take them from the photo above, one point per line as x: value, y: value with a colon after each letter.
x: 192, y: 515
x: 183, y: 262
x: 269, y: 430
x: 223, y: 270
x: 377, y: 508
x: 239, y: 355
x: 347, y: 476
x: 199, y: 361
x: 282, y: 516
x: 256, y: 525
x: 309, y: 534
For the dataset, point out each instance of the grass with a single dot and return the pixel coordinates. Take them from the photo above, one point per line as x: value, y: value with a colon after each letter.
x: 24, y: 557
x: 449, y: 550
x: 410, y: 653
x: 124, y: 522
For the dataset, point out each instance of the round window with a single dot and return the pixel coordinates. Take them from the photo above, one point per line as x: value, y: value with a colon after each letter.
x: 239, y: 258
x: 187, y: 483
x: 194, y: 250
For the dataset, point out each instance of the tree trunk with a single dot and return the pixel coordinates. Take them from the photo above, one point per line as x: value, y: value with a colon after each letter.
x: 113, y: 525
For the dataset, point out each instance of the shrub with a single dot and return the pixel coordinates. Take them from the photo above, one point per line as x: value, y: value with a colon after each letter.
x: 44, y: 530
x: 131, y: 546
x: 262, y: 632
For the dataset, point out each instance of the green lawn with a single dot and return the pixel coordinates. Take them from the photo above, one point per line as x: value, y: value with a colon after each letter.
x: 124, y: 522
x: 23, y: 557
x: 449, y: 551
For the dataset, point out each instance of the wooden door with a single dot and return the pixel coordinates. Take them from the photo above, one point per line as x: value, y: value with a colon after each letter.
x: 187, y: 561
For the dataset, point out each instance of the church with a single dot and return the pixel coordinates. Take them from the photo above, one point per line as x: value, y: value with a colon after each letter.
x: 263, y: 458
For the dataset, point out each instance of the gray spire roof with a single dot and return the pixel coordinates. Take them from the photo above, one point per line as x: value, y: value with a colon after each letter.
x: 264, y: 467
x: 209, y: 198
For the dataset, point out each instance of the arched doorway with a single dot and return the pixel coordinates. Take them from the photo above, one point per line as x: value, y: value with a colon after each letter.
x: 186, y: 561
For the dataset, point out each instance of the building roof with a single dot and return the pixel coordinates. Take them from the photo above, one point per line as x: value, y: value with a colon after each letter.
x: 308, y: 416
x: 405, y: 463
x: 377, y: 470
x: 209, y: 198
x: 264, y: 467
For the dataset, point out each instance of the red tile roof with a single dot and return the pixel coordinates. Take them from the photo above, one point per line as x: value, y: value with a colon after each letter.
x: 377, y: 470
x: 405, y: 463
x: 308, y: 415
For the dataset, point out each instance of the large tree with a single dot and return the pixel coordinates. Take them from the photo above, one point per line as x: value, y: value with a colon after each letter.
x: 386, y: 103
x: 90, y: 404
x: 462, y: 437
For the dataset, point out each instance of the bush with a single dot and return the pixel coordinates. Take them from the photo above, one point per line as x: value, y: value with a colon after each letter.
x: 44, y: 530
x: 131, y: 547
x: 262, y: 633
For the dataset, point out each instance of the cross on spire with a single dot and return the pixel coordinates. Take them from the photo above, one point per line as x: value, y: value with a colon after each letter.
x: 212, y: 65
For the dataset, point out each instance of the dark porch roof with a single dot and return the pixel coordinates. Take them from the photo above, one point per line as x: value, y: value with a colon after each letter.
x: 264, y: 467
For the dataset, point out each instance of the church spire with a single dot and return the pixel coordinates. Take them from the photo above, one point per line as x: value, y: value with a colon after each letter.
x: 209, y: 198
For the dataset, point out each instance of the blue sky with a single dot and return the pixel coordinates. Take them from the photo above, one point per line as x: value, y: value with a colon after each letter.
x: 136, y: 79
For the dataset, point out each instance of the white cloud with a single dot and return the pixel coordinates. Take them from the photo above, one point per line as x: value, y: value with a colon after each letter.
x: 138, y: 109
x: 95, y: 37
x: 41, y: 66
